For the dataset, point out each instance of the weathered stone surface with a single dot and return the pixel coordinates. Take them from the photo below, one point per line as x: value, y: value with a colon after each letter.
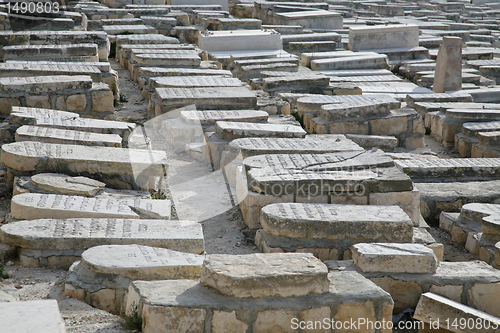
x: 260, y: 275
x: 139, y: 262
x: 209, y: 117
x: 27, y: 116
x: 54, y: 182
x: 448, y: 75
x: 347, y: 222
x: 185, y: 236
x: 29, y: 206
x: 351, y: 160
x: 75, y: 160
x: 194, y: 82
x: 37, y: 85
x: 61, y: 136
x: 342, y: 111
x: 385, y: 36
x: 310, y: 145
x: 394, y: 258
x: 433, y: 308
x: 32, y: 316
x: 227, y: 130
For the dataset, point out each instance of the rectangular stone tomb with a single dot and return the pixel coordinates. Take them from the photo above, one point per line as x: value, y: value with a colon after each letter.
x: 117, y: 167
x: 27, y: 116
x: 109, y: 270
x: 318, y: 145
x: 61, y: 92
x: 352, y: 62
x: 361, y: 183
x: 87, y: 125
x: 330, y: 229
x: 41, y: 316
x: 57, y: 242
x: 218, y: 98
x: 239, y: 40
x: 194, y: 82
x: 10, y: 69
x: 19, y: 85
x: 261, y: 275
x: 29, y: 206
x: 332, y: 112
x: 145, y: 39
x: 62, y: 136
x: 186, y: 58
x: 313, y: 104
x: 349, y: 296
x: 210, y: 117
x: 350, y: 160
x: 446, y: 315
x: 394, y: 258
x: 383, y: 37
x: 310, y: 19
x: 460, y: 96
x: 73, y: 52
x: 460, y: 168
x: 227, y: 130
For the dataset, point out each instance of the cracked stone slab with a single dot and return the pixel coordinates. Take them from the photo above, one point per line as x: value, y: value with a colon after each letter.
x: 67, y: 185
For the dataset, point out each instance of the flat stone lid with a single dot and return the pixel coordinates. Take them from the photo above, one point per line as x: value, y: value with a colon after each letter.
x: 228, y: 130
x: 491, y: 225
x: 329, y: 221
x: 63, y: 184
x: 40, y: 316
x: 394, y: 258
x: 76, y: 234
x: 477, y: 211
x: 140, y: 262
x: 209, y: 117
x: 265, y: 274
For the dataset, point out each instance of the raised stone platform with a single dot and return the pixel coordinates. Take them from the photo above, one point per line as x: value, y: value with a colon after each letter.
x: 102, y: 276
x: 61, y: 242
x: 184, y: 305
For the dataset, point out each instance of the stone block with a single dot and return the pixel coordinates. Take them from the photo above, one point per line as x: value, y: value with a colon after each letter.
x: 42, y: 102
x: 76, y: 102
x: 261, y: 275
x: 394, y: 258
x: 102, y: 101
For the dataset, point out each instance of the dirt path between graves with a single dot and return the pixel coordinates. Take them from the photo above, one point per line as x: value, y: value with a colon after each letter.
x: 222, y: 235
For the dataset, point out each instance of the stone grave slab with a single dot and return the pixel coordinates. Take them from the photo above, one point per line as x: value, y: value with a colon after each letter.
x: 16, y: 85
x: 61, y: 136
x: 310, y: 19
x: 239, y: 40
x: 352, y: 62
x: 227, y: 130
x: 463, y: 168
x: 145, y: 39
x: 433, y: 308
x: 332, y: 112
x: 314, y: 103
x: 218, y: 98
x: 123, y: 129
x: 138, y: 262
x: 29, y: 206
x: 210, y: 117
x: 67, y: 185
x: 17, y: 69
x: 71, y: 52
x: 352, y: 160
x: 190, y: 59
x: 448, y: 76
x: 194, y: 82
x: 32, y: 316
x: 109, y: 269
x: 27, y: 116
x: 307, y: 57
x: 309, y: 145
x: 263, y: 275
x: 82, y: 234
x: 345, y: 223
x: 394, y: 258
x: 383, y: 37
x: 130, y: 29
x: 117, y: 167
x: 460, y: 96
